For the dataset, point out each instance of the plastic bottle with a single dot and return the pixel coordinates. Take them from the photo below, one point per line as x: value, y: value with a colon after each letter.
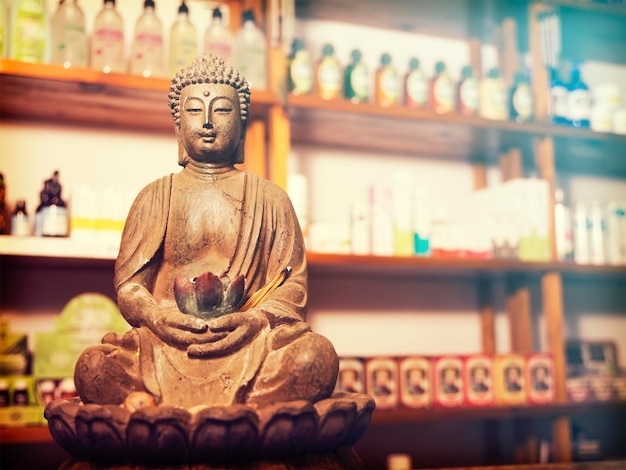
x: 578, y: 100
x: 107, y: 41
x: 30, y: 31
x: 387, y: 85
x: 19, y: 220
x: 356, y: 86
x: 415, y: 86
x: 217, y: 38
x: 493, y: 102
x: 20, y: 392
x: 300, y: 69
x: 69, y: 40
x: 563, y: 227
x: 147, y: 56
x: 521, y: 99
x: 250, y: 52
x: 183, y: 41
x: 328, y: 74
x: 441, y: 90
x: 467, y: 93
x: 557, y: 99
x: 581, y: 237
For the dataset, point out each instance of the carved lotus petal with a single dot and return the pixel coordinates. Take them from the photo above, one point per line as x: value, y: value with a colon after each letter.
x: 61, y: 416
x: 158, y: 435
x: 336, y: 419
x: 209, y: 291
x: 101, y: 429
x: 185, y: 295
x: 287, y: 428
x: 364, y: 408
x: 225, y: 434
x: 234, y: 292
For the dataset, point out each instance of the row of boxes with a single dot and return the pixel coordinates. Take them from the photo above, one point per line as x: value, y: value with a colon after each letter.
x: 450, y: 381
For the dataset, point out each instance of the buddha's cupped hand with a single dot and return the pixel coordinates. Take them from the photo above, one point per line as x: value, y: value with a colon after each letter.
x: 228, y: 333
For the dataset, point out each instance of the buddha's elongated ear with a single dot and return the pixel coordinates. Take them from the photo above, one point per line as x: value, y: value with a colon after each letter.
x: 183, y: 156
x: 242, y: 145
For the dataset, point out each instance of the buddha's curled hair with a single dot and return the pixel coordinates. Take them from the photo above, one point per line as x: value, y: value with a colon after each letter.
x: 209, y: 69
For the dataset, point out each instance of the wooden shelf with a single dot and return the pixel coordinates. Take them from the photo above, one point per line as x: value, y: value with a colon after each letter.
x: 331, y: 264
x: 493, y: 412
x: 51, y: 93
x: 25, y: 435
x: 367, y: 126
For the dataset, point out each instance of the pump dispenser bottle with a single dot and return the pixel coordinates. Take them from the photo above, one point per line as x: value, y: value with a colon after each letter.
x: 217, y: 38
x: 147, y: 56
x: 107, y: 42
x: 250, y: 52
x: 183, y: 41
x: 69, y: 40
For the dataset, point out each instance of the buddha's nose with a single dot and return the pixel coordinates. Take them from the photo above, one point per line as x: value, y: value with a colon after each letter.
x: 207, y: 125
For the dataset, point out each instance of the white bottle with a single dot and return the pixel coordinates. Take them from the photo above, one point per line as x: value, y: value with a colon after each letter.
x: 147, y: 55
x: 183, y: 41
x: 30, y: 31
x: 563, y: 228
x: 69, y: 40
x: 217, y: 38
x: 107, y: 42
x: 581, y: 237
x: 250, y: 52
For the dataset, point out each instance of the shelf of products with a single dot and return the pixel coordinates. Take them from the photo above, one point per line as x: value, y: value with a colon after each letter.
x: 84, y: 96
x: 69, y: 251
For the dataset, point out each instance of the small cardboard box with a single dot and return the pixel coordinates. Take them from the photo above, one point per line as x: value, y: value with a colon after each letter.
x: 416, y: 389
x: 351, y: 377
x: 510, y: 379
x: 449, y: 384
x: 540, y: 378
x: 578, y: 390
x: 382, y: 382
x: 478, y: 372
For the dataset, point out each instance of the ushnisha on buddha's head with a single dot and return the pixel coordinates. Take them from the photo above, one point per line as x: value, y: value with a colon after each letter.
x: 210, y: 103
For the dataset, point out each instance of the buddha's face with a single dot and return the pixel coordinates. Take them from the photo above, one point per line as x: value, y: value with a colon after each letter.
x: 210, y: 123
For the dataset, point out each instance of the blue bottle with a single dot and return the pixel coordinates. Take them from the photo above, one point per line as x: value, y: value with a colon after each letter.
x: 578, y: 100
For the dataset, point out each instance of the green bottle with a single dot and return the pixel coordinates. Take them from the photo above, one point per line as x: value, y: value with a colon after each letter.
x: 30, y: 36
x: 356, y: 80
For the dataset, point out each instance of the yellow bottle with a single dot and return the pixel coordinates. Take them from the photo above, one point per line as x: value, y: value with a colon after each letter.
x: 328, y: 75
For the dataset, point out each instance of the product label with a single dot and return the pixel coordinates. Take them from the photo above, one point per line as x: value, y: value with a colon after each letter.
x: 578, y: 105
x: 389, y: 84
x: 221, y: 49
x: 417, y: 88
x: 359, y: 81
x: 444, y: 94
x: 29, y: 35
x: 301, y: 74
x: 522, y: 101
x: 329, y: 78
x: 108, y: 50
x: 469, y: 94
x: 558, y: 102
x: 498, y: 102
x: 72, y: 46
